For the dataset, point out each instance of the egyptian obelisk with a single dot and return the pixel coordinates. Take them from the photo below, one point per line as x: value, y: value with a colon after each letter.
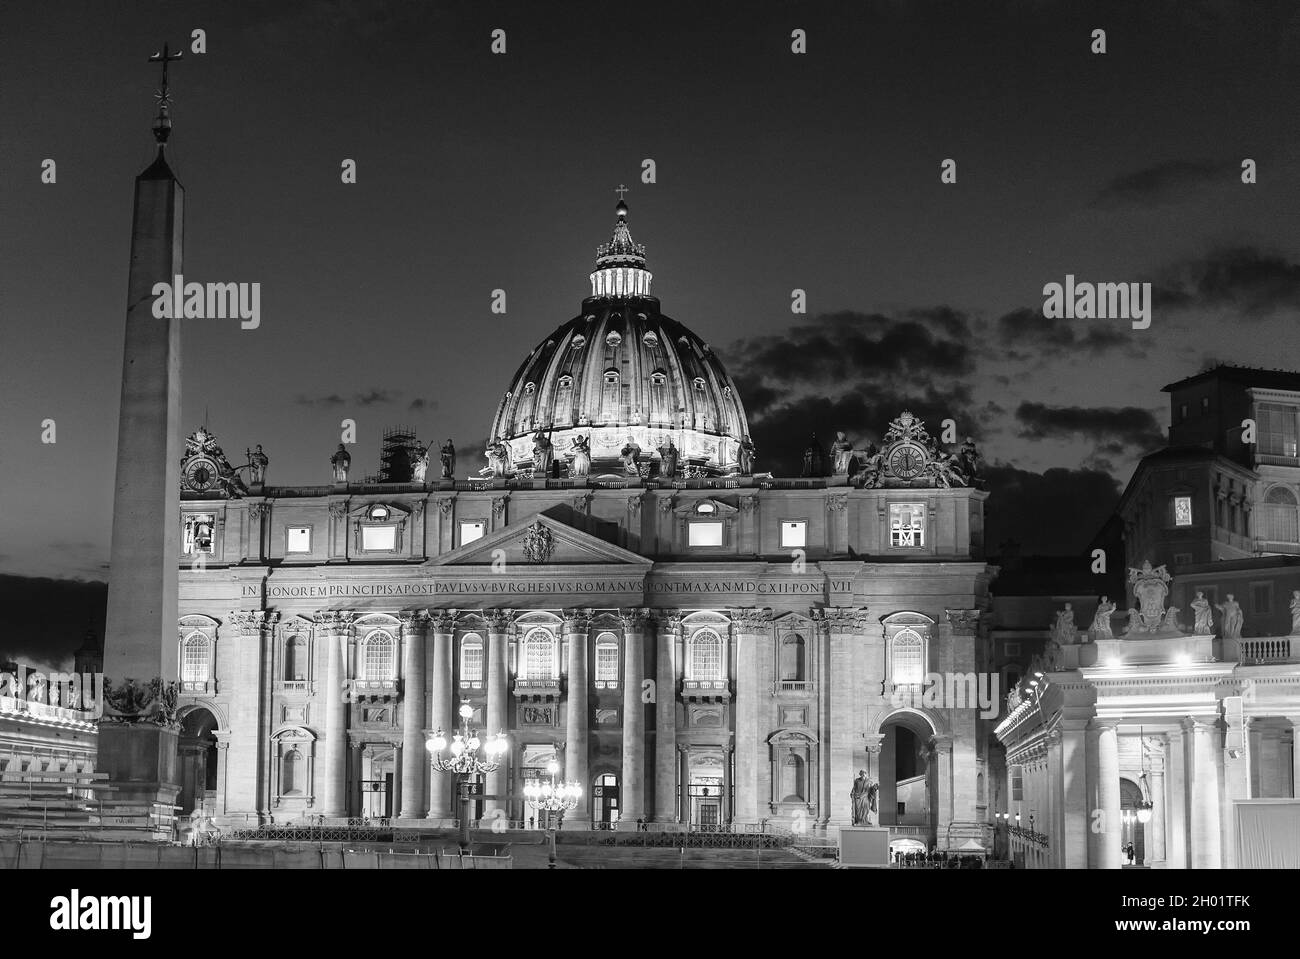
x: 140, y: 638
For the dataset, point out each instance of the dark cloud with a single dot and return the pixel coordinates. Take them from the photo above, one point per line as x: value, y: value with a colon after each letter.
x: 367, y: 398
x: 1056, y: 512
x: 49, y: 618
x: 1162, y: 183
x: 1027, y: 334
x: 421, y: 403
x: 1252, y: 282
x: 1114, y: 428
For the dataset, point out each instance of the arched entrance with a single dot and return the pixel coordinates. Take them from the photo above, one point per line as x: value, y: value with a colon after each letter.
x: 906, y: 775
x: 604, y: 797
x: 1130, y: 800
x: 198, y: 761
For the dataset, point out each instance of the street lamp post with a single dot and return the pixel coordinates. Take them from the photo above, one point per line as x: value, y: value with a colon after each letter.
x: 552, y: 797
x: 463, y: 761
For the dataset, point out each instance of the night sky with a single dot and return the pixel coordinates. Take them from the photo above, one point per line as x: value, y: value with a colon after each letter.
x: 775, y: 171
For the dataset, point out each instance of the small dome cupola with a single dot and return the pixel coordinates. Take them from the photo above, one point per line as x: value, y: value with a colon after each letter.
x: 620, y: 263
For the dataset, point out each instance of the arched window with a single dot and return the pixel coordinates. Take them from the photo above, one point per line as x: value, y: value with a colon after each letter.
x: 705, y: 661
x: 564, y: 400
x: 378, y: 656
x: 609, y: 396
x: 538, y: 658
x: 295, y: 660
x: 471, y: 658
x: 292, y: 773
x: 607, y: 659
x: 792, y: 658
x: 196, y: 660
x: 907, y: 659
x: 1280, y: 516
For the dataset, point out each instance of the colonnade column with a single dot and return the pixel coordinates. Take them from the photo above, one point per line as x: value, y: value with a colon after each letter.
x: 577, y: 622
x: 1207, y: 845
x: 1156, y: 784
x: 1105, y: 850
x: 442, y: 715
x: 632, y: 780
x: 1177, y: 852
x: 668, y: 622
x: 247, y: 772
x: 498, y: 692
x: 1236, y: 758
x: 749, y: 626
x: 1076, y: 818
x: 334, y: 628
x: 415, y: 759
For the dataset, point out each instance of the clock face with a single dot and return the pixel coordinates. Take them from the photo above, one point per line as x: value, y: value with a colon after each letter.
x: 201, y: 474
x: 907, y: 460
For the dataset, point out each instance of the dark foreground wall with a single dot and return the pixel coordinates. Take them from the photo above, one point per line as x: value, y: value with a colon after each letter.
x: 16, y: 854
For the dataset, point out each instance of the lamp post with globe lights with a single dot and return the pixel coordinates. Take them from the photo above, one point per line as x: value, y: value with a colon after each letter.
x: 554, y: 799
x: 462, y: 761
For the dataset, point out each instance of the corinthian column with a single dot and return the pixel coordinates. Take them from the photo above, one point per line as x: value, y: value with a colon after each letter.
x: 632, y: 782
x: 668, y: 623
x: 498, y: 693
x: 415, y: 759
x: 750, y: 626
x: 245, y: 770
x: 441, y: 706
x: 334, y: 628
x: 576, y: 624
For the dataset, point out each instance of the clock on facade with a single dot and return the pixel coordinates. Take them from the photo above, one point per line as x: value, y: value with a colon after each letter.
x: 200, y: 474
x: 907, y: 460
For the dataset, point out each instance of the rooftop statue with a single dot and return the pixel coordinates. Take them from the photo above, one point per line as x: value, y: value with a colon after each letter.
x: 498, y: 457
x: 842, y: 451
x: 581, y: 447
x: 1150, y: 588
x: 420, y: 467
x: 1232, y: 617
x: 1101, y: 620
x: 1064, y: 630
x: 341, y: 461
x: 1203, y: 617
x: 447, y: 453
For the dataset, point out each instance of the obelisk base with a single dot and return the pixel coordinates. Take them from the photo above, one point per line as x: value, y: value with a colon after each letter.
x: 142, y: 761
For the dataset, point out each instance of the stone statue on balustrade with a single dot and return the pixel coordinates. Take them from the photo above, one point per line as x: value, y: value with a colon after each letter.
x: 668, y: 460
x: 1064, y: 630
x: 1101, y: 620
x: 745, y: 456
x: 1202, y: 616
x: 341, y: 461
x: 968, y: 458
x: 630, y: 454
x: 1295, y: 612
x: 447, y: 453
x: 543, y: 453
x: 1232, y: 617
x: 257, y: 464
x: 581, y: 448
x: 420, y: 466
x: 498, y: 457
x: 842, y: 451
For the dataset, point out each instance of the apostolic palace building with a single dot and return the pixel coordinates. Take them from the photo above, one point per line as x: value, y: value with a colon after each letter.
x: 619, y: 589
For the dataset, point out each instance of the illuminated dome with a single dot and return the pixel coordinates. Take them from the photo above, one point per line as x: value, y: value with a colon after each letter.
x: 622, y: 369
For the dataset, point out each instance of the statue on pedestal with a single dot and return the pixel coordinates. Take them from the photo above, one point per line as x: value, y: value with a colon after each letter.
x: 581, y: 447
x: 842, y: 452
x: 447, y: 453
x: 968, y: 457
x: 420, y: 468
x: 1101, y: 620
x: 863, y: 796
x: 630, y: 454
x: 341, y: 461
x: 1232, y: 618
x: 1064, y: 630
x: 257, y: 464
x: 668, y: 460
x: 1203, y: 618
x: 1295, y: 612
x: 498, y: 457
x: 543, y: 453
x: 745, y: 456
x: 812, y: 459
x: 873, y: 465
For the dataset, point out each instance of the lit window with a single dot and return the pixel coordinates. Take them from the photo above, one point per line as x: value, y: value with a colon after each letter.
x: 1280, y: 520
x: 705, y: 508
x: 650, y: 339
x: 794, y: 534
x: 704, y: 533
x: 378, y: 658
x: 196, y: 661
x: 379, y: 513
x: 471, y: 659
x: 607, y: 658
x: 198, y: 533
x: 1205, y: 404
x: 381, y: 538
x: 792, y: 658
x: 907, y: 659
x: 614, y: 339
x: 297, y: 539
x: 705, y: 663
x: 1182, y: 511
x: 539, y: 655
x: 1277, y: 429
x: 471, y: 530
x: 529, y: 388
x: 699, y: 383
x: 906, y: 524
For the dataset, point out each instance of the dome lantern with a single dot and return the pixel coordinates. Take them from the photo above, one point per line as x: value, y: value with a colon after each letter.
x: 620, y: 263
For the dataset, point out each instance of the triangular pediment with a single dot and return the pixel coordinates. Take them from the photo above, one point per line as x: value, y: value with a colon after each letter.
x: 561, y: 545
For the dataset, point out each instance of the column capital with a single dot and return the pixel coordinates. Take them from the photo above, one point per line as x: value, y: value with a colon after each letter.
x: 963, y: 620
x: 577, y: 620
x: 874, y: 742
x: 1100, y: 725
x: 842, y: 619
x: 251, y: 622
x: 751, y: 620
x: 1192, y: 724
x: 668, y: 620
x: 443, y: 620
x: 499, y: 620
x: 414, y: 620
x: 445, y: 505
x: 635, y: 620
x: 334, y: 620
x: 942, y: 744
x: 683, y: 748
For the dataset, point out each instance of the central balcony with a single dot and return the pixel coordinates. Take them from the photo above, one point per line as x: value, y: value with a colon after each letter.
x: 705, y: 690
x: 537, y: 690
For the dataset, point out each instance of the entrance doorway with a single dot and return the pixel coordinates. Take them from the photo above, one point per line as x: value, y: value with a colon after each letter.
x: 706, y: 788
x: 604, y: 794
x: 906, y: 775
x: 1130, y: 800
x: 198, y: 758
x: 377, y: 786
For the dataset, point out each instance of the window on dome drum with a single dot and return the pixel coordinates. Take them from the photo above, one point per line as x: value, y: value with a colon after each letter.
x: 471, y: 659
x: 1278, y: 431
x: 609, y: 396
x: 295, y: 660
x: 472, y: 529
x: 196, y: 661
x: 794, y: 533
x: 379, y: 538
x: 704, y: 533
x: 907, y: 658
x: 297, y: 539
x: 906, y: 525
x: 705, y: 661
x: 606, y: 661
x: 538, y: 658
x: 378, y: 656
x: 1280, y: 521
x: 1205, y: 404
x: 699, y: 384
x: 564, y: 400
x: 1182, y: 412
x: 198, y: 533
x: 1182, y: 511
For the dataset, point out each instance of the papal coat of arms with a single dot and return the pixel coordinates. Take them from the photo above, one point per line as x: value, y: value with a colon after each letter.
x: 539, y: 544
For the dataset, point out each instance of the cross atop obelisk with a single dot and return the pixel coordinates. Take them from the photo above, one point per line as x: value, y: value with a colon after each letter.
x: 620, y: 190
x: 163, y: 124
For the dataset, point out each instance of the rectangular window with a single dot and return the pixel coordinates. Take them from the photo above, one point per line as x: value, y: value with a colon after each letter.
x: 1205, y: 404
x: 1182, y: 511
x: 794, y: 534
x: 1261, y: 597
x: 704, y: 533
x: 382, y: 538
x: 472, y: 529
x: 471, y: 663
x: 1011, y: 649
x: 1182, y: 412
x: 198, y: 533
x: 1277, y: 429
x: 606, y: 663
x: 297, y: 539
x: 906, y: 524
